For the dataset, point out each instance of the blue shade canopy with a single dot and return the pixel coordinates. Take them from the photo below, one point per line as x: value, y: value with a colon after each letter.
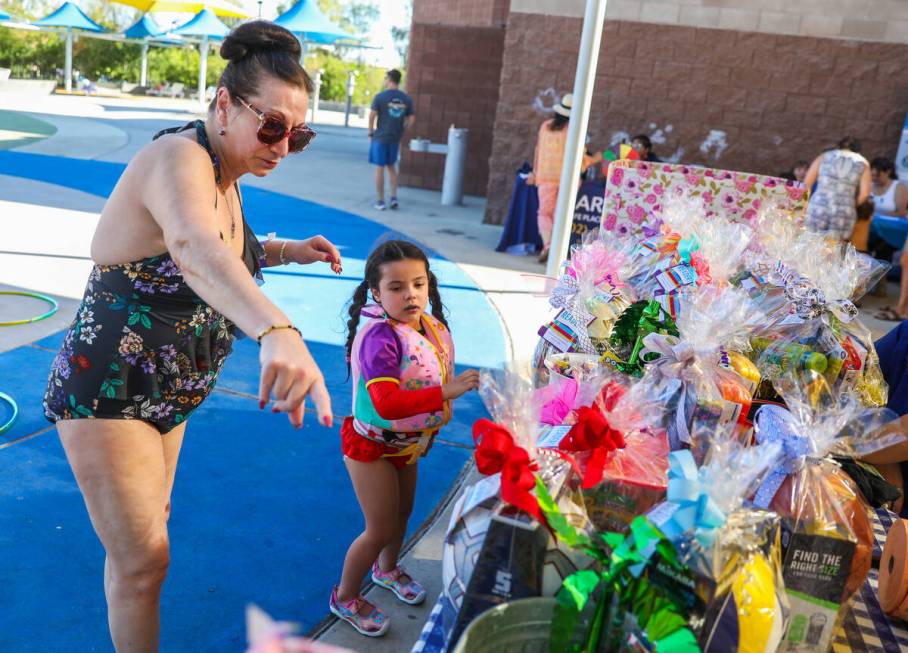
x: 3, y: 15
x: 144, y: 28
x: 307, y: 21
x: 204, y: 23
x: 69, y: 15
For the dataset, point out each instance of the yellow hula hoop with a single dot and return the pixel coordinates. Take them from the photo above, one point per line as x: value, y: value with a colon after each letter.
x: 54, y: 306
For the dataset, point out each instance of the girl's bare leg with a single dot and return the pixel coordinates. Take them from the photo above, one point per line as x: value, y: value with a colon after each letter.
x: 406, y: 483
x: 377, y: 489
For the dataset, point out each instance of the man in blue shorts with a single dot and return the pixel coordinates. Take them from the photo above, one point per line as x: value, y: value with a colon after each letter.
x: 392, y: 110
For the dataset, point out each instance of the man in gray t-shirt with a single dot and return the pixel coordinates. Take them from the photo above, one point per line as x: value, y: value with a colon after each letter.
x: 391, y: 114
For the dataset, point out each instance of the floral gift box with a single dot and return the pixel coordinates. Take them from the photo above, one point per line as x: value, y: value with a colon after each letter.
x: 636, y: 192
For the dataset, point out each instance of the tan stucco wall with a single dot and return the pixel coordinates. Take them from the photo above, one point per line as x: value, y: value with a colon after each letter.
x: 864, y: 20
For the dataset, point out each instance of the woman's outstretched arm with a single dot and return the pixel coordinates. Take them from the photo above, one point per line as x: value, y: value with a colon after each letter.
x: 179, y: 194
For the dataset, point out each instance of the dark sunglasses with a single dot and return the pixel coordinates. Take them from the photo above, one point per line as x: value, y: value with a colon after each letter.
x: 273, y: 130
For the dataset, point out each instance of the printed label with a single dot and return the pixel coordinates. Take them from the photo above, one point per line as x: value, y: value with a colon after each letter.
x: 553, y: 437
x: 815, y: 570
x: 677, y: 276
x: 560, y: 333
x: 753, y: 283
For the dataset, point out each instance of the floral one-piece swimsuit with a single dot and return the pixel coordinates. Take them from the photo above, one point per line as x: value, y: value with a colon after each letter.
x: 143, y: 344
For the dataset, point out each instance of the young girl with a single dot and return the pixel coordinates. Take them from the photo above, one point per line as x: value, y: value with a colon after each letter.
x: 402, y: 363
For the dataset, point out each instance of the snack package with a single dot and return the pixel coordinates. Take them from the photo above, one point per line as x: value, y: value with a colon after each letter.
x: 827, y: 537
x: 816, y: 327
x: 732, y: 554
x: 590, y: 294
x: 689, y: 374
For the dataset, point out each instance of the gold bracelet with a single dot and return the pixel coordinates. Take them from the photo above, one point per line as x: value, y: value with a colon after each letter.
x: 281, y: 255
x: 275, y: 327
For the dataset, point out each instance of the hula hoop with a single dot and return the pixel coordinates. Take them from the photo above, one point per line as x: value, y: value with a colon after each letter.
x: 54, y: 306
x: 9, y: 400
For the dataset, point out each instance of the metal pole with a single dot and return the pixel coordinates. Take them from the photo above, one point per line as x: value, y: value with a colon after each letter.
x: 68, y: 65
x: 351, y: 84
x: 315, y: 96
x: 143, y: 75
x: 584, y: 80
x: 455, y: 162
x: 203, y: 70
x: 260, y: 8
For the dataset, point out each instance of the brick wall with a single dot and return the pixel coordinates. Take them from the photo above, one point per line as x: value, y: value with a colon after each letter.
x: 462, y: 13
x: 453, y: 76
x: 729, y: 99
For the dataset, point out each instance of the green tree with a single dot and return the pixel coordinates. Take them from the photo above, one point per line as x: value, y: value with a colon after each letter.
x: 401, y: 35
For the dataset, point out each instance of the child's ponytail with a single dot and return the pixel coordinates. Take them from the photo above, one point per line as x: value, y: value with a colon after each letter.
x: 360, y: 295
x: 438, y: 309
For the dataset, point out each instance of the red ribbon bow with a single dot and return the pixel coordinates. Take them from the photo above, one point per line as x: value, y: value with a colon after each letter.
x: 496, y: 451
x: 593, y: 433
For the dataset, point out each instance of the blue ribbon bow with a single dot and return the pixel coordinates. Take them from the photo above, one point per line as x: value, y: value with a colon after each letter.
x: 696, y: 511
x: 775, y: 424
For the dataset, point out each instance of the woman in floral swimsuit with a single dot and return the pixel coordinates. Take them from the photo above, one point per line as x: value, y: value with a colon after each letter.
x: 175, y: 275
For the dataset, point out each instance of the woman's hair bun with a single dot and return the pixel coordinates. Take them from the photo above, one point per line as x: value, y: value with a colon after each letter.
x: 258, y: 36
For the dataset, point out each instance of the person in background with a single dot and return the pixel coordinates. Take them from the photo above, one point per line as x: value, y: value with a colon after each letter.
x: 547, y: 164
x: 890, y: 197
x: 842, y: 176
x: 391, y: 115
x: 644, y: 147
x: 798, y: 171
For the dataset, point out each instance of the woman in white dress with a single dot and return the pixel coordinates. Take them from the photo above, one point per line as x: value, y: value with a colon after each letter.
x: 890, y: 197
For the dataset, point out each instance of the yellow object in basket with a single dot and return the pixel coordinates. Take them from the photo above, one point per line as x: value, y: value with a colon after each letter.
x: 760, y: 614
x: 746, y: 369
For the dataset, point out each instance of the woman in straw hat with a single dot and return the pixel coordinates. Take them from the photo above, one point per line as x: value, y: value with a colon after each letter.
x: 547, y: 163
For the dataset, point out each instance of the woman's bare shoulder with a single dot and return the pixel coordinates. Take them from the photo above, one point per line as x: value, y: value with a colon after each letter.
x: 170, y: 151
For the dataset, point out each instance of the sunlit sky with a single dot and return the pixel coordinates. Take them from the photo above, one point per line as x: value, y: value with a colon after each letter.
x: 393, y: 14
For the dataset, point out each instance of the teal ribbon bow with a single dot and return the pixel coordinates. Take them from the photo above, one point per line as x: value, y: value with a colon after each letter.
x: 686, y: 247
x: 697, y: 513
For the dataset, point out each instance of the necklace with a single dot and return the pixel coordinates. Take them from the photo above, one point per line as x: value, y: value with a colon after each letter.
x: 229, y: 211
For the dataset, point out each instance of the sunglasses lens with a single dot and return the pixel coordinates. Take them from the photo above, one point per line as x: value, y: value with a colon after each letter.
x: 300, y: 139
x: 271, y: 131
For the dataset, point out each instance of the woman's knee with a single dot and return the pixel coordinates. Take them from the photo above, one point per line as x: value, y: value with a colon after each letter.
x: 144, y: 569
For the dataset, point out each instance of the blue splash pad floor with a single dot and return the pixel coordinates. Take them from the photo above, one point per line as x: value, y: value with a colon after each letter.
x: 261, y: 512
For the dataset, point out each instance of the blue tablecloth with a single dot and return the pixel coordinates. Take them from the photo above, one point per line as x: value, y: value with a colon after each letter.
x: 521, y: 234
x: 892, y: 230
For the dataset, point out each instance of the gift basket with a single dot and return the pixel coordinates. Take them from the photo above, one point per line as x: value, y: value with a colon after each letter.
x: 516, y: 542
x: 622, y: 454
x: 694, y: 374
x: 807, y: 291
x: 732, y: 554
x: 590, y: 295
x: 827, y: 535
